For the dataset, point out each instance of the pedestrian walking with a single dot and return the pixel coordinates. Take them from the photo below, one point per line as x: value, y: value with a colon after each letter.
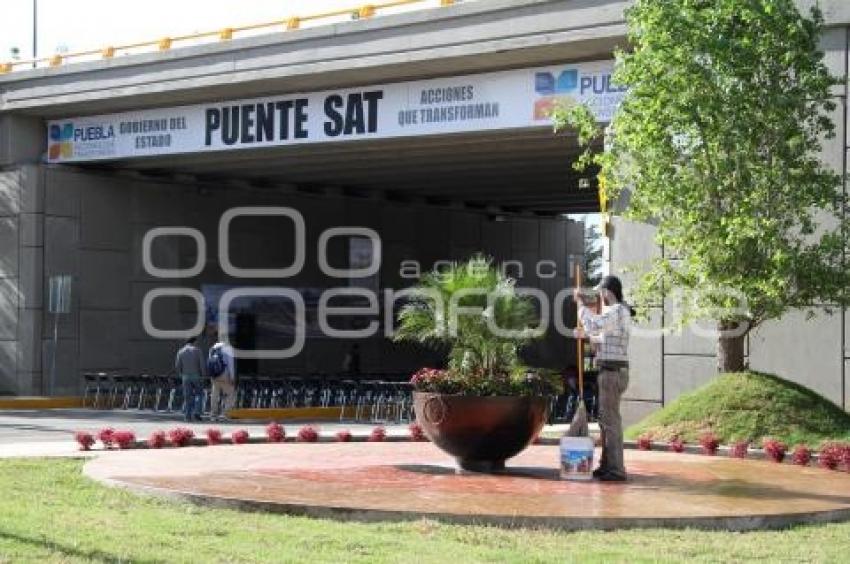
x: 222, y: 371
x: 189, y: 365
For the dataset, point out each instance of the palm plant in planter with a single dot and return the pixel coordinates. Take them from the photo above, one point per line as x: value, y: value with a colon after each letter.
x: 486, y: 406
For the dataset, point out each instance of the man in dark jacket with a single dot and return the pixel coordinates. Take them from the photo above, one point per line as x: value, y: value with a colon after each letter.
x: 189, y: 365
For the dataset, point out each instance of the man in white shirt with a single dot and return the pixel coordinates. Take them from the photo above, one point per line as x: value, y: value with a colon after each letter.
x: 222, y: 370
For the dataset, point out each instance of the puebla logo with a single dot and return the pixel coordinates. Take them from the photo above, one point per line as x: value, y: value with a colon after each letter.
x: 61, y: 141
x: 554, y: 88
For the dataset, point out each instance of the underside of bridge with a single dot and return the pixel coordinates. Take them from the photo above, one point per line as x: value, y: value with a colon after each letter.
x: 521, y: 171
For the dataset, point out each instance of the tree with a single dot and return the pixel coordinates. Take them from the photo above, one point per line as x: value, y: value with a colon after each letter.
x: 443, y: 312
x: 592, y: 254
x: 716, y: 144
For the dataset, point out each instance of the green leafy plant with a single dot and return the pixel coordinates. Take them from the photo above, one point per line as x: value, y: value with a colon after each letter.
x: 716, y: 143
x: 478, y: 313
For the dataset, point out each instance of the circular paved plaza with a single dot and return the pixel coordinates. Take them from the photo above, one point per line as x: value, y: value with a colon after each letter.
x: 373, y: 481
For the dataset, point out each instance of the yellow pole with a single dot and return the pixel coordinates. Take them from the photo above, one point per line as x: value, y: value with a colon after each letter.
x: 580, y: 347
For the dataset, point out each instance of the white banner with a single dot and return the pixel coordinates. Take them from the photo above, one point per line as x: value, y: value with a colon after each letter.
x: 500, y: 100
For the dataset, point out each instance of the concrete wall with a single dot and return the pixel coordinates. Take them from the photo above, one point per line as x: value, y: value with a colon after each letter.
x: 91, y: 226
x: 814, y: 353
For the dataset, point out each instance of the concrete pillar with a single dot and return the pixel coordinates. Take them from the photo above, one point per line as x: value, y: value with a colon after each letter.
x: 22, y: 140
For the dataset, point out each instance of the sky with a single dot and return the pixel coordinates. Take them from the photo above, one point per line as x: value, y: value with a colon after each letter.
x: 80, y: 25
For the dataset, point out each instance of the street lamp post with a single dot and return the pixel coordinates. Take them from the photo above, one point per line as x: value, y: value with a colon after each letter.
x: 34, y: 32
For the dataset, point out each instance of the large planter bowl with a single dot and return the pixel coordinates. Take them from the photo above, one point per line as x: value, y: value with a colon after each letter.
x: 480, y: 432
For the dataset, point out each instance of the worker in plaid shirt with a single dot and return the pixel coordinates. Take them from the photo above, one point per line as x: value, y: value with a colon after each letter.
x: 609, y: 333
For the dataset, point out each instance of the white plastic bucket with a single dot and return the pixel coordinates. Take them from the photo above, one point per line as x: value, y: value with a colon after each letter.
x: 576, y: 458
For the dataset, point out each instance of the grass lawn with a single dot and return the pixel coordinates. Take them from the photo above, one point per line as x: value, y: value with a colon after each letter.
x: 49, y: 512
x: 749, y: 406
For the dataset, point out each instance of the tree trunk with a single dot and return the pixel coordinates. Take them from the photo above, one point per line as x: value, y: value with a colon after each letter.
x: 730, y: 349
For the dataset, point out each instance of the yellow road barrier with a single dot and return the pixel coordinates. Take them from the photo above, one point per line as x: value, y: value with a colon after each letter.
x: 226, y: 34
x: 21, y: 402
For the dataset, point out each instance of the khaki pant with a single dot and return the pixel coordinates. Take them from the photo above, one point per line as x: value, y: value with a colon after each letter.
x: 222, y: 385
x: 612, y: 384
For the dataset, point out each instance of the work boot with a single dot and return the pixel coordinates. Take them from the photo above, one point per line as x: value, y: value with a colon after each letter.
x: 610, y: 476
x: 600, y: 471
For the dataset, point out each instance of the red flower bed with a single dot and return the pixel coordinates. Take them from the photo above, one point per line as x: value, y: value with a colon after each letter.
x: 275, y: 432
x: 107, y: 437
x: 845, y: 456
x: 802, y: 455
x: 343, y: 436
x: 84, y: 439
x: 213, y: 437
x: 124, y: 439
x: 644, y: 443
x: 180, y: 436
x: 676, y: 445
x: 775, y: 450
x: 739, y: 449
x: 240, y: 437
x: 377, y: 435
x: 830, y: 456
x: 308, y: 434
x: 417, y: 434
x: 156, y: 440
x: 709, y: 443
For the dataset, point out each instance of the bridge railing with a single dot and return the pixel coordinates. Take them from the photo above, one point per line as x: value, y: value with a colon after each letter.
x: 364, y: 11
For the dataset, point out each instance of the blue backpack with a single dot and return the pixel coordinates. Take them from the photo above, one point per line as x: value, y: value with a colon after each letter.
x: 216, y: 365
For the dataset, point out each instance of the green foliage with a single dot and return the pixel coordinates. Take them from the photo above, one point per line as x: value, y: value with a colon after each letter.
x: 716, y: 144
x: 592, y: 255
x: 462, y: 307
x: 518, y: 381
x: 749, y: 406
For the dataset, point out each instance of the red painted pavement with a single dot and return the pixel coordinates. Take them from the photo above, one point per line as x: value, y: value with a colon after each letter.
x: 417, y: 478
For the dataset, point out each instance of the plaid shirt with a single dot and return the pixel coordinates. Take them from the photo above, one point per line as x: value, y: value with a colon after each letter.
x: 609, y: 330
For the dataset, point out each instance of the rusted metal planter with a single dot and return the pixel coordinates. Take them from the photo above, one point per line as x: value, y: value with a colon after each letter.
x: 480, y: 432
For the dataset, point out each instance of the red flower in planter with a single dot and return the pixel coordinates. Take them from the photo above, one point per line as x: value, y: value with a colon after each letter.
x: 845, y: 456
x: 802, y: 455
x: 829, y: 456
x: 775, y: 450
x: 644, y: 442
x: 180, y: 436
x: 156, y: 440
x: 417, y: 434
x: 709, y: 443
x: 676, y: 445
x: 308, y: 434
x: 107, y: 437
x: 240, y: 437
x: 213, y: 437
x: 275, y: 432
x: 739, y: 449
x: 377, y: 435
x: 431, y: 380
x: 124, y: 439
x: 84, y: 439
x: 343, y: 436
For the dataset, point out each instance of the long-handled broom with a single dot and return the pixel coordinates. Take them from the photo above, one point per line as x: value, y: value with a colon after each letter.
x: 579, y: 426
